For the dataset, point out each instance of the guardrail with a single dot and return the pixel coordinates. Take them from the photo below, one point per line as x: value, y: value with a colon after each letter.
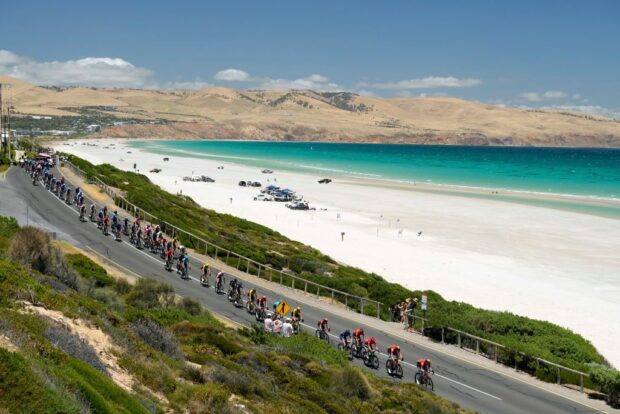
x: 484, y: 347
x: 357, y: 303
x: 502, y: 354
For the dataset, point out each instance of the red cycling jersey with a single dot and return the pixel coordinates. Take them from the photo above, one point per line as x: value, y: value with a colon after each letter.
x: 371, y: 342
x: 424, y: 364
x: 357, y: 333
x: 394, y: 350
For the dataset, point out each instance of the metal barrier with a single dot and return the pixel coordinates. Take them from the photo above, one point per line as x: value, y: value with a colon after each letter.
x: 266, y: 272
x: 491, y: 350
x: 238, y: 261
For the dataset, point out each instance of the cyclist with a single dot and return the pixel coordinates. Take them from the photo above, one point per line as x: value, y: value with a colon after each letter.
x: 371, y: 344
x: 324, y: 326
x: 219, y: 280
x: 262, y: 302
x: 345, y: 337
x: 252, y: 295
x: 126, y: 225
x: 238, y: 291
x: 106, y: 222
x: 168, y: 258
x: 297, y: 315
x: 82, y: 211
x: 394, y: 355
x: 92, y: 211
x: 204, y: 275
x: 185, y: 265
x: 424, y: 365
x: 358, y: 338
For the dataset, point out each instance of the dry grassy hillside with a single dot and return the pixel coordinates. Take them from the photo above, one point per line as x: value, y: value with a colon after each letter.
x: 218, y: 112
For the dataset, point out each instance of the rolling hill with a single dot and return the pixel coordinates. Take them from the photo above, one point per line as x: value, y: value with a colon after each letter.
x: 218, y: 112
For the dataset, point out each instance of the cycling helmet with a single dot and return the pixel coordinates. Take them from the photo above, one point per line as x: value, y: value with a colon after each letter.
x: 288, y: 320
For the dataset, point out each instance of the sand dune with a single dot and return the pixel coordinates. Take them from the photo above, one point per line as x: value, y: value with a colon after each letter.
x: 218, y: 112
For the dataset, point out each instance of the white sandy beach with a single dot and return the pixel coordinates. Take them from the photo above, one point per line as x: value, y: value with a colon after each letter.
x: 543, y: 263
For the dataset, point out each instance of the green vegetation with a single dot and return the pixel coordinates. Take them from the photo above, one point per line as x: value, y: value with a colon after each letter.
x: 178, y: 357
x: 99, y: 115
x: 608, y: 381
x: 535, y: 338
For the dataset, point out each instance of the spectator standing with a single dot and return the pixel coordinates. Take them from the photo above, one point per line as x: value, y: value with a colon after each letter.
x: 277, y: 325
x: 269, y: 323
x: 411, y: 313
x: 287, y: 328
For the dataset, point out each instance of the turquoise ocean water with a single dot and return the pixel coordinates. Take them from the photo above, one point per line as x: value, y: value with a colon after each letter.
x: 590, y: 174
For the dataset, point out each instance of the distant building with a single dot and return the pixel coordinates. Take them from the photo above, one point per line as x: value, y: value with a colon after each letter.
x: 93, y: 128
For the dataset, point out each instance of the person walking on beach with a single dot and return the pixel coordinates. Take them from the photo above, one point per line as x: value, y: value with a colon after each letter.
x: 342, y: 235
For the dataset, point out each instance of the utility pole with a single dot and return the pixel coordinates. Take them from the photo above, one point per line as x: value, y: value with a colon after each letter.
x: 1, y: 119
x: 5, y: 126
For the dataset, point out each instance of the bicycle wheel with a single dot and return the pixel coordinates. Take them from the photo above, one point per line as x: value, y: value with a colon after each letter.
x: 374, y: 362
x: 418, y: 378
x: 399, y: 371
x: 388, y: 366
x: 318, y: 333
x: 429, y: 384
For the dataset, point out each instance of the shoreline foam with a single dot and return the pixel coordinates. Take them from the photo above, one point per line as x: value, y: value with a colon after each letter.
x: 538, y: 262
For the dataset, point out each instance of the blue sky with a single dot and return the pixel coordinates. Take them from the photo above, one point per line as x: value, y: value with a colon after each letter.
x: 531, y: 53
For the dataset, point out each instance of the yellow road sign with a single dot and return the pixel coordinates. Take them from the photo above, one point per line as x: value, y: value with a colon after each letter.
x: 283, y: 308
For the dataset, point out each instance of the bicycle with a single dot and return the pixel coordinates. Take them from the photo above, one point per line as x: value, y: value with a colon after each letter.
x: 370, y: 358
x: 394, y: 368
x: 322, y: 335
x: 423, y: 377
x: 346, y: 347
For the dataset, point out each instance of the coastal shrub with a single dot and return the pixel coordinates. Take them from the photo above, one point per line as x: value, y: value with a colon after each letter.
x: 32, y: 247
x: 88, y: 269
x: 149, y: 294
x: 158, y: 337
x: 191, y: 306
x: 73, y: 346
x: 608, y: 381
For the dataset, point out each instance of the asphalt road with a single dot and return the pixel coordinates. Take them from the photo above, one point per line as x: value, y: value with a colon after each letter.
x: 469, y: 385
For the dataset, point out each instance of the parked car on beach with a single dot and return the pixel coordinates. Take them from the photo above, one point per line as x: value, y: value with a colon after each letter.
x: 263, y: 197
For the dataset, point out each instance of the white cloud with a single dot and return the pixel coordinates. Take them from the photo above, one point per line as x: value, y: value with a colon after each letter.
x: 428, y: 83
x: 89, y: 71
x: 233, y: 75
x: 195, y: 84
x: 547, y: 96
x: 315, y: 82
